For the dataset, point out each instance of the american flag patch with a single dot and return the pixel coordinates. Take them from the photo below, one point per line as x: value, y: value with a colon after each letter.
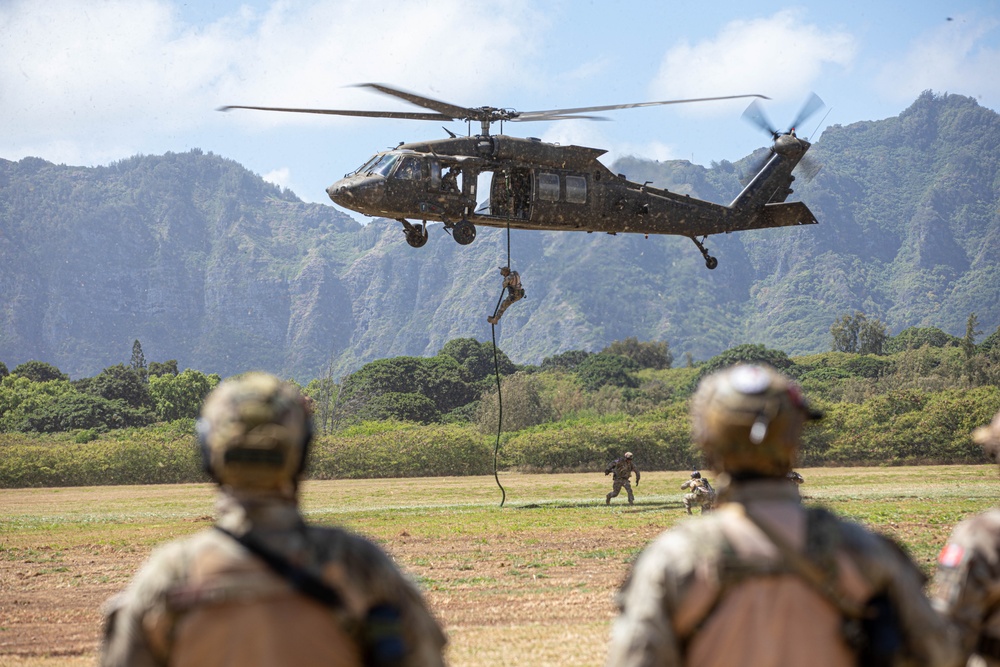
x: 951, y: 555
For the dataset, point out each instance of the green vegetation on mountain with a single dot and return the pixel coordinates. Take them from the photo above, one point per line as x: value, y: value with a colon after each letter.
x: 210, y: 266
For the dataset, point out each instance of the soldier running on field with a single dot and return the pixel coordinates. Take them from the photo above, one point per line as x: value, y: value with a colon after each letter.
x: 622, y: 469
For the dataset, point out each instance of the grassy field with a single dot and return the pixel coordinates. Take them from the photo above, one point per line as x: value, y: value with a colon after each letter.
x: 532, y: 580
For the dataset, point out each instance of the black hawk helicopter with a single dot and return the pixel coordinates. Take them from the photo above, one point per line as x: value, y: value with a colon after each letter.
x: 531, y: 184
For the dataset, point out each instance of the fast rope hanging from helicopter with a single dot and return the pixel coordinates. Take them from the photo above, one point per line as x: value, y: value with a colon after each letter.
x: 508, y: 287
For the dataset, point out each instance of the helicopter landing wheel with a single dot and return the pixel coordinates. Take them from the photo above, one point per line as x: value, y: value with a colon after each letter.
x: 710, y: 261
x: 417, y: 237
x: 464, y: 232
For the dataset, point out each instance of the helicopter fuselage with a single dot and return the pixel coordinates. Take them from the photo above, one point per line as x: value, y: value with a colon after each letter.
x: 502, y: 181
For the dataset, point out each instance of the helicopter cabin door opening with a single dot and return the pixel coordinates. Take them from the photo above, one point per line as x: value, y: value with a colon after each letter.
x: 508, y: 193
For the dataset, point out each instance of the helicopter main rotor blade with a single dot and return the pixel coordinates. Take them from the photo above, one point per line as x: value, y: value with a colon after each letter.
x: 546, y: 115
x: 344, y: 112
x: 811, y: 106
x: 453, y: 111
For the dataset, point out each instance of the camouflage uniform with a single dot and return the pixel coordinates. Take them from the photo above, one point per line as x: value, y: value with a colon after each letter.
x: 762, y: 581
x: 967, y: 583
x: 686, y: 600
x: 512, y: 284
x: 210, y: 600
x: 701, y: 495
x: 622, y: 469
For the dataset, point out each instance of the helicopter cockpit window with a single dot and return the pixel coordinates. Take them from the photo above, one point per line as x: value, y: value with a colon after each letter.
x: 384, y: 164
x: 409, y: 169
x: 366, y: 167
x: 576, y: 189
x: 548, y: 186
x: 435, y: 174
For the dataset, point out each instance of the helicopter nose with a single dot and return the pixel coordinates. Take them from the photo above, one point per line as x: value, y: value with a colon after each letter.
x: 363, y: 196
x: 342, y: 193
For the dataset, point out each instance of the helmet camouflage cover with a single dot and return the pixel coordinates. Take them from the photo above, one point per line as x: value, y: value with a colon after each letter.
x: 749, y: 419
x: 254, y: 430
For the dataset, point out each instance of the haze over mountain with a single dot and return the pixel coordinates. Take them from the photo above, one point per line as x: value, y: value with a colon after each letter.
x: 204, y: 262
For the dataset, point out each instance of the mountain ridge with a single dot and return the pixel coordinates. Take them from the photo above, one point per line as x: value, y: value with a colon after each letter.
x: 204, y: 262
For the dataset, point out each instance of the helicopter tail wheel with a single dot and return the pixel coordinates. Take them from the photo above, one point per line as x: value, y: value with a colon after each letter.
x: 464, y: 232
x: 710, y: 261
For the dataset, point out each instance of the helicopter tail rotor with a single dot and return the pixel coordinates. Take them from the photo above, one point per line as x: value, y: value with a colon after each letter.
x: 754, y: 114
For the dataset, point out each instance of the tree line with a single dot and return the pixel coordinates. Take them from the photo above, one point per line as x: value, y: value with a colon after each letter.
x: 459, y: 385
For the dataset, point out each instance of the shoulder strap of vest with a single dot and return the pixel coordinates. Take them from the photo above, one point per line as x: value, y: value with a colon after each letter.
x: 381, y: 631
x: 814, y: 575
x: 302, y: 580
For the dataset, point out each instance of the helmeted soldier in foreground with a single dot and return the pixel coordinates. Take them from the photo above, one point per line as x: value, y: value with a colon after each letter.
x: 262, y: 587
x: 701, y: 493
x: 622, y: 469
x: 762, y: 580
x: 968, y: 575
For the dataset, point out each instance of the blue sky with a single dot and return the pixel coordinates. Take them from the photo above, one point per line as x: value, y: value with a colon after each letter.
x: 88, y: 83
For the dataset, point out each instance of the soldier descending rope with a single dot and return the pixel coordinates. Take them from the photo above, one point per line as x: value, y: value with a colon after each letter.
x: 512, y: 285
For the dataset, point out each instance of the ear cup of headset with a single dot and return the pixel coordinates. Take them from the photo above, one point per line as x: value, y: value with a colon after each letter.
x: 202, y: 429
x: 306, y: 445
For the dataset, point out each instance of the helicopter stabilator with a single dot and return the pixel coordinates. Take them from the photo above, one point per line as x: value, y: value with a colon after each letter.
x: 497, y: 180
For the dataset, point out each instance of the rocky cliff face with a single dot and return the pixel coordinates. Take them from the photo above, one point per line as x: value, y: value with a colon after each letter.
x: 205, y: 263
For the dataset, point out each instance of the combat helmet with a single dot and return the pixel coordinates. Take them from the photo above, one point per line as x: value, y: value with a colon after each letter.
x: 749, y: 419
x: 254, y: 434
x: 628, y: 455
x: 989, y: 438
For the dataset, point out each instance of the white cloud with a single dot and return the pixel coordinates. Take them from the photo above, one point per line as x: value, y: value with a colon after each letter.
x: 954, y: 57
x: 586, y: 133
x: 281, y: 177
x: 82, y: 79
x: 781, y: 57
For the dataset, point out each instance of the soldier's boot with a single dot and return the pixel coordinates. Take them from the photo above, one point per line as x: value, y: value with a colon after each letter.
x: 492, y: 320
x: 607, y: 499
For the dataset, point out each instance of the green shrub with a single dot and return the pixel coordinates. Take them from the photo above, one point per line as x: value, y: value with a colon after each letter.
x: 164, y: 454
x: 400, y: 449
x: 589, y: 444
x: 85, y: 436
